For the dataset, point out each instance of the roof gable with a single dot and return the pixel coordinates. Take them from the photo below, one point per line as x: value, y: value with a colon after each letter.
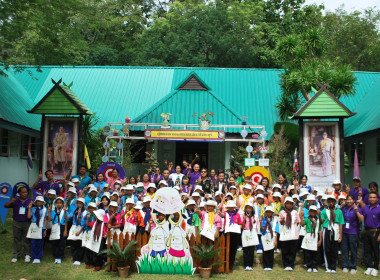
x: 323, y: 104
x: 193, y: 82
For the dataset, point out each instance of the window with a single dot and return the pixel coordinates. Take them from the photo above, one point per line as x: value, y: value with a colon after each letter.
x: 359, y: 146
x: 4, y: 143
x: 25, y: 141
x: 378, y: 150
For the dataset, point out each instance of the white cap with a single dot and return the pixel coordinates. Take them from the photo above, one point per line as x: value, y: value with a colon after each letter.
x: 152, y: 185
x: 115, y: 193
x: 138, y: 205
x: 320, y: 193
x: 248, y: 204
x: 72, y: 190
x: 183, y: 194
x: 92, y: 189
x: 342, y: 196
x: 331, y: 197
x: 291, y: 187
x: 106, y: 186
x: 92, y: 204
x: 247, y: 186
x: 325, y: 196
x: 114, y: 204
x: 337, y: 182
x: 296, y: 197
x: 270, y: 208
x: 303, y: 192
x: 40, y: 198
x: 123, y: 188
x: 195, y: 194
x: 139, y: 185
x: 71, y: 184
x: 81, y: 199
x: 289, y: 199
x: 310, y: 197
x: 233, y: 187
x: 313, y: 207
x: 163, y: 182
x: 117, y: 182
x: 276, y: 186
x: 231, y: 203
x: 276, y: 194
x: 106, y: 194
x: 260, y: 188
x: 198, y: 187
x: 53, y: 192
x: 211, y: 203
x: 260, y: 196
x: 230, y: 194
x: 59, y: 198
x: 147, y: 199
x: 129, y: 187
x: 190, y: 202
x: 218, y: 193
x: 99, y: 214
x: 130, y: 201
x: 75, y: 180
x: 202, y: 204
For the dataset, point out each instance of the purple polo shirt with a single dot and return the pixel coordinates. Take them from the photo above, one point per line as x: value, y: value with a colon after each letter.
x: 351, y: 219
x: 155, y: 177
x: 355, y: 193
x: 185, y: 171
x: 194, y: 177
x: 46, y: 186
x: 16, y: 210
x: 371, y: 216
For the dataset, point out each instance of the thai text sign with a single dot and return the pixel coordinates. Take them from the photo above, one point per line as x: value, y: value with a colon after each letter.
x: 168, y: 134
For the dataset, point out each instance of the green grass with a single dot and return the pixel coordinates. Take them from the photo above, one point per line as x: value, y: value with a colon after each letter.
x: 48, y: 270
x: 157, y: 265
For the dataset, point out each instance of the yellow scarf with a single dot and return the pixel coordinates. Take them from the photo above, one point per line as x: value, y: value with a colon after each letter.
x: 276, y: 207
x: 211, y: 217
x: 129, y: 213
x: 324, y: 143
x: 262, y: 211
x: 245, y: 199
x: 151, y: 195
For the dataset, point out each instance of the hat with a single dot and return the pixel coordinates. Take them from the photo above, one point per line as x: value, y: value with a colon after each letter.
x: 72, y: 190
x: 129, y: 187
x: 147, y: 199
x: 325, y: 196
x: 59, y: 198
x: 183, y: 194
x: 218, y: 193
x: 163, y: 182
x: 247, y: 186
x: 138, y: 205
x: 289, y: 199
x: 233, y: 187
x: 276, y: 194
x: 106, y: 186
x: 198, y: 187
x: 260, y: 196
x: 230, y: 194
x: 291, y: 187
x: 338, y: 182
x: 92, y: 189
x: 270, y: 208
x: 313, y: 207
x: 81, y: 199
x: 92, y: 204
x: 310, y: 197
x: 260, y: 188
x: 356, y: 179
x: 195, y: 194
x: 276, y: 186
x: 99, y: 214
x: 190, y: 202
x: 106, y: 194
x: 117, y: 182
x: 115, y: 193
x: 342, y: 196
x: 296, y: 196
x: 75, y: 180
x: 330, y: 197
x: 129, y: 201
x: 114, y: 204
x: 211, y: 203
x: 123, y: 188
x: 152, y: 185
x: 320, y: 193
x: 53, y: 192
x: 303, y: 191
x: 231, y: 203
x: 139, y: 185
x: 202, y: 204
x: 177, y: 188
x: 71, y: 184
x: 248, y: 204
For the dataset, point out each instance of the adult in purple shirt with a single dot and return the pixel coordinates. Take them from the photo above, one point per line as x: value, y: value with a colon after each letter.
x: 350, y: 240
x: 169, y: 166
x: 194, y: 176
x: 45, y: 186
x: 156, y: 177
x: 21, y: 223
x: 370, y: 214
x: 373, y: 187
x: 358, y: 190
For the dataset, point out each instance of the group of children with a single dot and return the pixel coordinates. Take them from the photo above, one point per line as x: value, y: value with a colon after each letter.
x: 267, y: 223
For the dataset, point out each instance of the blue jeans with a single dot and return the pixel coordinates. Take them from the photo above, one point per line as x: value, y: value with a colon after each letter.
x: 37, y: 247
x: 349, y: 244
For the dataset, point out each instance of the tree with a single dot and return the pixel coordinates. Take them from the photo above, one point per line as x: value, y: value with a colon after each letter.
x: 279, y: 154
x: 305, y: 63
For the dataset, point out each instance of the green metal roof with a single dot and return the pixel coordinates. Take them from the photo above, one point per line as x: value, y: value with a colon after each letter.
x: 368, y: 113
x: 114, y: 92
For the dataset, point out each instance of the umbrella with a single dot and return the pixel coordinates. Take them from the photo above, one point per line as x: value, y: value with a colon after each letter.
x: 167, y: 201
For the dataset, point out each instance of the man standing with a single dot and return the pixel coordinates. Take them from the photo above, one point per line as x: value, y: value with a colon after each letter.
x: 205, y: 182
x: 60, y: 142
x: 221, y: 184
x: 358, y: 190
x: 47, y: 185
x: 82, y: 177
x: 165, y: 177
x: 326, y: 146
x: 370, y: 214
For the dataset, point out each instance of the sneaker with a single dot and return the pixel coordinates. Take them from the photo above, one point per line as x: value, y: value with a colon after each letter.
x: 277, y: 251
x: 56, y: 261
x: 286, y: 268
x: 27, y: 258
x: 309, y: 270
x: 290, y: 269
x: 14, y: 260
x: 333, y: 271
x: 345, y: 270
x: 59, y: 261
x: 305, y: 265
x: 328, y: 271
x: 269, y: 269
x: 374, y: 272
x: 315, y: 270
x: 339, y: 252
x: 368, y: 271
x: 76, y: 263
x: 259, y: 251
x: 353, y: 271
x: 247, y: 268
x: 239, y: 249
x: 36, y: 261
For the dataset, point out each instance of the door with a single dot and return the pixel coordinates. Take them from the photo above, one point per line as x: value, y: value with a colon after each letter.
x: 187, y: 150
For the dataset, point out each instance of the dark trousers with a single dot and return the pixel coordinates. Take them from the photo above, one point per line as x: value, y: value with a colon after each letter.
x: 58, y: 246
x: 77, y: 251
x: 268, y: 258
x: 20, y: 242
x: 98, y: 260
x: 248, y: 255
x: 235, y: 239
x: 311, y: 258
x: 349, y: 245
x: 288, y: 252
x: 37, y: 247
x: 371, y: 249
x: 260, y: 245
x: 89, y: 256
x: 330, y: 248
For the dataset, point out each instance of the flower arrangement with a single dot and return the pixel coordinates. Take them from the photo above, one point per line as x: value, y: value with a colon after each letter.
x: 115, y: 132
x: 127, y: 119
x: 243, y: 121
x: 166, y: 117
x: 204, y: 119
x: 255, y: 135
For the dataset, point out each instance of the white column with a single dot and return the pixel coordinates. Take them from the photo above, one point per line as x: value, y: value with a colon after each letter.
x: 227, y: 155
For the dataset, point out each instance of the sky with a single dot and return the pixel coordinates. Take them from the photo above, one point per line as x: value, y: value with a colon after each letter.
x: 349, y: 5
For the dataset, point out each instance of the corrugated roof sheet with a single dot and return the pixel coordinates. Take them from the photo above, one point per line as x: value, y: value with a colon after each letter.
x: 368, y: 113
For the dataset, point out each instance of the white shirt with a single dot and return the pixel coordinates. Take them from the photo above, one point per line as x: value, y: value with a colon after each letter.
x: 174, y: 177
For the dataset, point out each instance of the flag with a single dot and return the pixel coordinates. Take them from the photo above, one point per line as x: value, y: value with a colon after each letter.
x: 295, y: 165
x: 356, y: 165
x: 29, y: 158
x: 87, y: 158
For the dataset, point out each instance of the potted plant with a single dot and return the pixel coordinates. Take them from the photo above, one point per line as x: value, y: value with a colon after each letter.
x: 206, y: 256
x: 121, y: 258
x: 255, y: 135
x: 115, y: 132
x: 127, y: 119
x: 243, y: 121
x: 204, y: 119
